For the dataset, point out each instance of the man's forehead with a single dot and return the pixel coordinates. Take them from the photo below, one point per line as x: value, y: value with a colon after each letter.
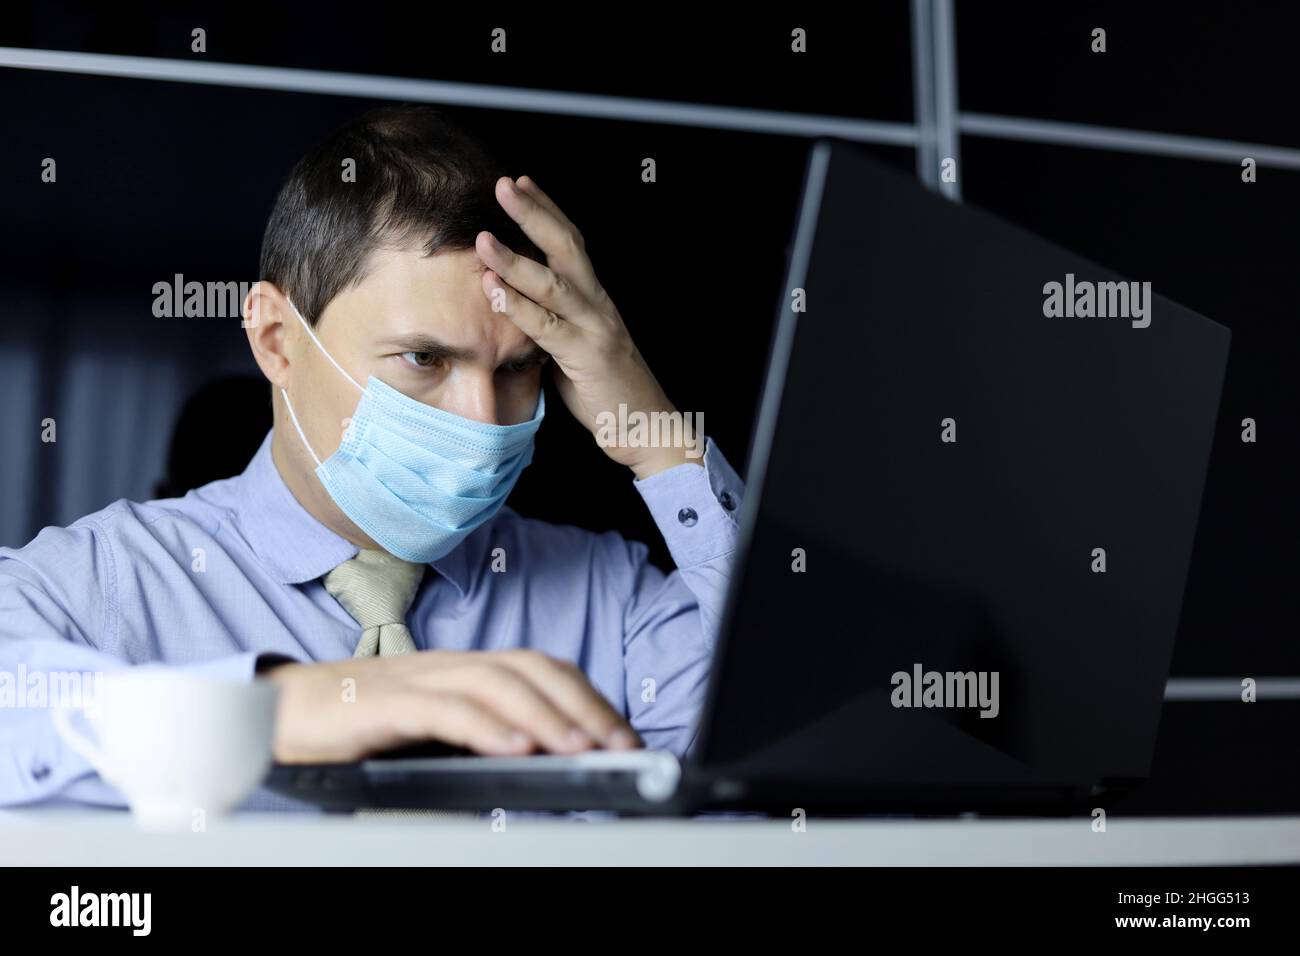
x: 420, y: 303
x: 405, y: 274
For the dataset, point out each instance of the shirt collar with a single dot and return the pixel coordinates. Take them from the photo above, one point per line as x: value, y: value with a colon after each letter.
x: 293, y: 545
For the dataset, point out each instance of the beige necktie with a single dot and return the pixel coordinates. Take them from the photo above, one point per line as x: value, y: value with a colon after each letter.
x: 377, y: 590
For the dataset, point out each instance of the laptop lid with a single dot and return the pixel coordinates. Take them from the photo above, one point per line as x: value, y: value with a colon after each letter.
x: 977, y: 455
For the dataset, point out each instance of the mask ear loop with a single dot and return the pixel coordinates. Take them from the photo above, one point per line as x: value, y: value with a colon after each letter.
x: 306, y: 444
x: 321, y: 347
x: 289, y: 405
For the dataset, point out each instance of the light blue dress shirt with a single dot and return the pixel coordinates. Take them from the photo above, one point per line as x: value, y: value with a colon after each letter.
x: 233, y: 571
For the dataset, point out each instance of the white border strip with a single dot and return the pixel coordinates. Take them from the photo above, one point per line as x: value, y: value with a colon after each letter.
x: 1125, y: 140
x: 934, y: 93
x: 651, y: 111
x: 948, y: 143
x: 923, y: 105
x: 461, y: 94
x: 1229, y: 688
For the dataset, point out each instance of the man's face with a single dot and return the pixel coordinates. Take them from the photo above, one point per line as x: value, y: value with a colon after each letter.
x: 421, y: 325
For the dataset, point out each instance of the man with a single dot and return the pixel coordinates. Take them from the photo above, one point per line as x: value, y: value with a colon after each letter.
x: 366, y: 544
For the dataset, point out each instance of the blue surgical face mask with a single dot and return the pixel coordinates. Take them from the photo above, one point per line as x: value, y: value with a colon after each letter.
x: 415, y: 478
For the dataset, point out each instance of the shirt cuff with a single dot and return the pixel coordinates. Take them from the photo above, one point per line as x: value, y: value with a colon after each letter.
x: 696, y: 509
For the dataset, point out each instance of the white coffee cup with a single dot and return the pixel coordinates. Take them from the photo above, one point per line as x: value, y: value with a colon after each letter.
x: 180, y: 747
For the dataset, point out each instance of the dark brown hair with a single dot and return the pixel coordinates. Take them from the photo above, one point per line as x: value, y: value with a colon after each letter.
x: 420, y: 180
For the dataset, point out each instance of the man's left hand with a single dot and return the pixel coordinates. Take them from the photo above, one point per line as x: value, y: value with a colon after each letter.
x: 564, y: 309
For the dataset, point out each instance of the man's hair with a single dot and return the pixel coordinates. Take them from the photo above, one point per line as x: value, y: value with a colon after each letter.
x: 421, y: 181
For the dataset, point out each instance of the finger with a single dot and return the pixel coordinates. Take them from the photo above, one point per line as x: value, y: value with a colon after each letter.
x: 543, y: 285
x: 457, y: 720
x: 543, y: 326
x: 568, y: 687
x: 529, y: 186
x: 554, y: 234
x: 511, y: 696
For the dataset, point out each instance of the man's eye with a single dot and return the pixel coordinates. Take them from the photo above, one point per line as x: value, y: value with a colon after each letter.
x: 526, y: 365
x: 422, y: 359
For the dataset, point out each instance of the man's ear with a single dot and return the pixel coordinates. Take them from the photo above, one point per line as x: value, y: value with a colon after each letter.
x: 265, y: 309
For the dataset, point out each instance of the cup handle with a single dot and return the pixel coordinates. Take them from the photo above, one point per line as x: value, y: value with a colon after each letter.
x: 74, y: 738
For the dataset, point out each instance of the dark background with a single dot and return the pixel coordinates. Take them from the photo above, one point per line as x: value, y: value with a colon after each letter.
x: 158, y: 178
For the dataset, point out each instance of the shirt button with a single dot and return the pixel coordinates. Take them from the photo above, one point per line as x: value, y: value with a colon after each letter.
x: 40, y: 771
x: 688, y: 517
x: 728, y: 502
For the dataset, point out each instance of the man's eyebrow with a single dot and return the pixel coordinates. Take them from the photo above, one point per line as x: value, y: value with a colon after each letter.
x: 420, y: 342
x: 530, y: 356
x: 427, y: 344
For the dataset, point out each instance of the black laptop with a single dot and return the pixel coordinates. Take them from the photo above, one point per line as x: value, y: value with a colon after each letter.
x: 972, y: 497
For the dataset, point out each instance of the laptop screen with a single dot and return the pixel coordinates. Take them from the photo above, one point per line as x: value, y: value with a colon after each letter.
x: 974, y: 490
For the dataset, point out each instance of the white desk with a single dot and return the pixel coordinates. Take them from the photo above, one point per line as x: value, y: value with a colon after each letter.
x: 91, y: 838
